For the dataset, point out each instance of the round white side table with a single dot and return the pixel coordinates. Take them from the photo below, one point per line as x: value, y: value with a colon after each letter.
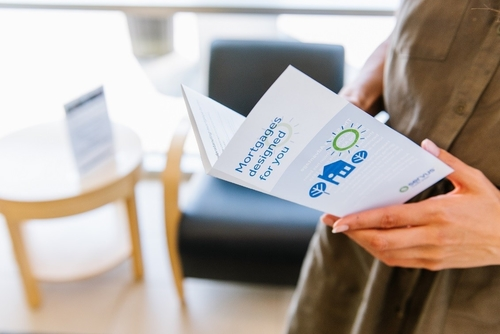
x: 39, y: 181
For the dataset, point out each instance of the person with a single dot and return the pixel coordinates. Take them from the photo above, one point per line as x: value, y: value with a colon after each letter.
x: 431, y: 265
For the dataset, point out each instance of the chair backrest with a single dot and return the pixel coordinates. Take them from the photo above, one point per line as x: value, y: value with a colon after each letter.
x: 241, y: 71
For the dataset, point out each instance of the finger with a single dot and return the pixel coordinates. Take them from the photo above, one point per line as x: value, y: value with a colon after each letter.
x: 385, y: 218
x: 419, y: 257
x: 401, y: 247
x: 328, y: 219
x: 463, y: 173
x: 412, y: 258
x: 383, y: 241
x: 427, y: 257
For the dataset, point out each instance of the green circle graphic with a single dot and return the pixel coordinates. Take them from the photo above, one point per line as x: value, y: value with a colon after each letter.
x: 404, y: 189
x: 342, y: 137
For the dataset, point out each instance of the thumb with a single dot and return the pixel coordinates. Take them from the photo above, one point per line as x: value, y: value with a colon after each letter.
x: 462, y: 172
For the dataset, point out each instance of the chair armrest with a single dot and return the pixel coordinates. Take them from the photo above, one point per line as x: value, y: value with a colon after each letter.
x: 172, y: 177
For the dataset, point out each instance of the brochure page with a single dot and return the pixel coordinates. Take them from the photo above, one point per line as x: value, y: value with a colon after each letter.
x: 306, y: 144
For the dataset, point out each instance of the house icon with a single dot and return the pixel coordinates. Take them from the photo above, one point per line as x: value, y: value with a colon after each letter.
x: 337, y: 168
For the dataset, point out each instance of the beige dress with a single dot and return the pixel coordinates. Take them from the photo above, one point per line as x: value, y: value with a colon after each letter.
x: 442, y: 81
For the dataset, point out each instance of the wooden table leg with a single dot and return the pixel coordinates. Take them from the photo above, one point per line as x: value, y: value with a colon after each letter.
x: 134, y: 236
x: 29, y: 282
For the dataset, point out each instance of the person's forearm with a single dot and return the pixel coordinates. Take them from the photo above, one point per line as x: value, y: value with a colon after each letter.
x: 367, y: 88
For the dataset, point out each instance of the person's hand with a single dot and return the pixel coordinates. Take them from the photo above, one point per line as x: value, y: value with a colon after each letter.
x: 460, y: 229
x: 366, y: 90
x: 367, y: 97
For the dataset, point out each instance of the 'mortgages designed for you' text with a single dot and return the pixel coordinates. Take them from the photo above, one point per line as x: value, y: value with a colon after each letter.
x: 268, y: 146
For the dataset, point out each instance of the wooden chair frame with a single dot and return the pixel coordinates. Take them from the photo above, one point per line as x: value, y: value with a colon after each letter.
x: 172, y: 178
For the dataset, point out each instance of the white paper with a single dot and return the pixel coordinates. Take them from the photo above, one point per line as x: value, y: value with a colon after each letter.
x: 305, y: 144
x: 90, y: 130
x: 214, y: 125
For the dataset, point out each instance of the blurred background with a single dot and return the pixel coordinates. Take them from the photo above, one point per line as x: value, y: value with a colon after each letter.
x: 50, y: 56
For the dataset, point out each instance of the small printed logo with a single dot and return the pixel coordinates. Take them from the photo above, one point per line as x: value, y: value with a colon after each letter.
x: 359, y: 157
x: 421, y: 178
x: 418, y: 180
x: 318, y: 189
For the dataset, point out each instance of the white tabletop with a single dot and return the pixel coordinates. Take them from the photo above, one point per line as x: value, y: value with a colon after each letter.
x: 37, y: 164
x: 168, y: 7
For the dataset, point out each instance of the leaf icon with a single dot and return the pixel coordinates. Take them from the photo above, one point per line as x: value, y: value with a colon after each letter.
x: 318, y: 189
x: 359, y: 157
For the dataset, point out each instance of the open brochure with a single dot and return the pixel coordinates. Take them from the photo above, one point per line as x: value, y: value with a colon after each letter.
x: 306, y: 144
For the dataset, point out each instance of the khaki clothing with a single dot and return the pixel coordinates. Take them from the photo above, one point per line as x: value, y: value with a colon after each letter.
x: 442, y: 82
x: 442, y: 78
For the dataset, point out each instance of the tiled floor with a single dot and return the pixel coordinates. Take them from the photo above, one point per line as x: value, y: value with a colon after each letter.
x: 114, y: 303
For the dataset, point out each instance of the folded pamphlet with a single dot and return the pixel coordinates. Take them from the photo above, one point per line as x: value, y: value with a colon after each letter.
x: 304, y: 143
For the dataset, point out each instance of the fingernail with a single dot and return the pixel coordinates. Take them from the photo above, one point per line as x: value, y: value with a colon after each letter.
x: 430, y: 147
x: 340, y: 229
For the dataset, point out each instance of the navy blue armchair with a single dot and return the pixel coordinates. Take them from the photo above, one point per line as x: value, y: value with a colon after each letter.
x: 216, y: 232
